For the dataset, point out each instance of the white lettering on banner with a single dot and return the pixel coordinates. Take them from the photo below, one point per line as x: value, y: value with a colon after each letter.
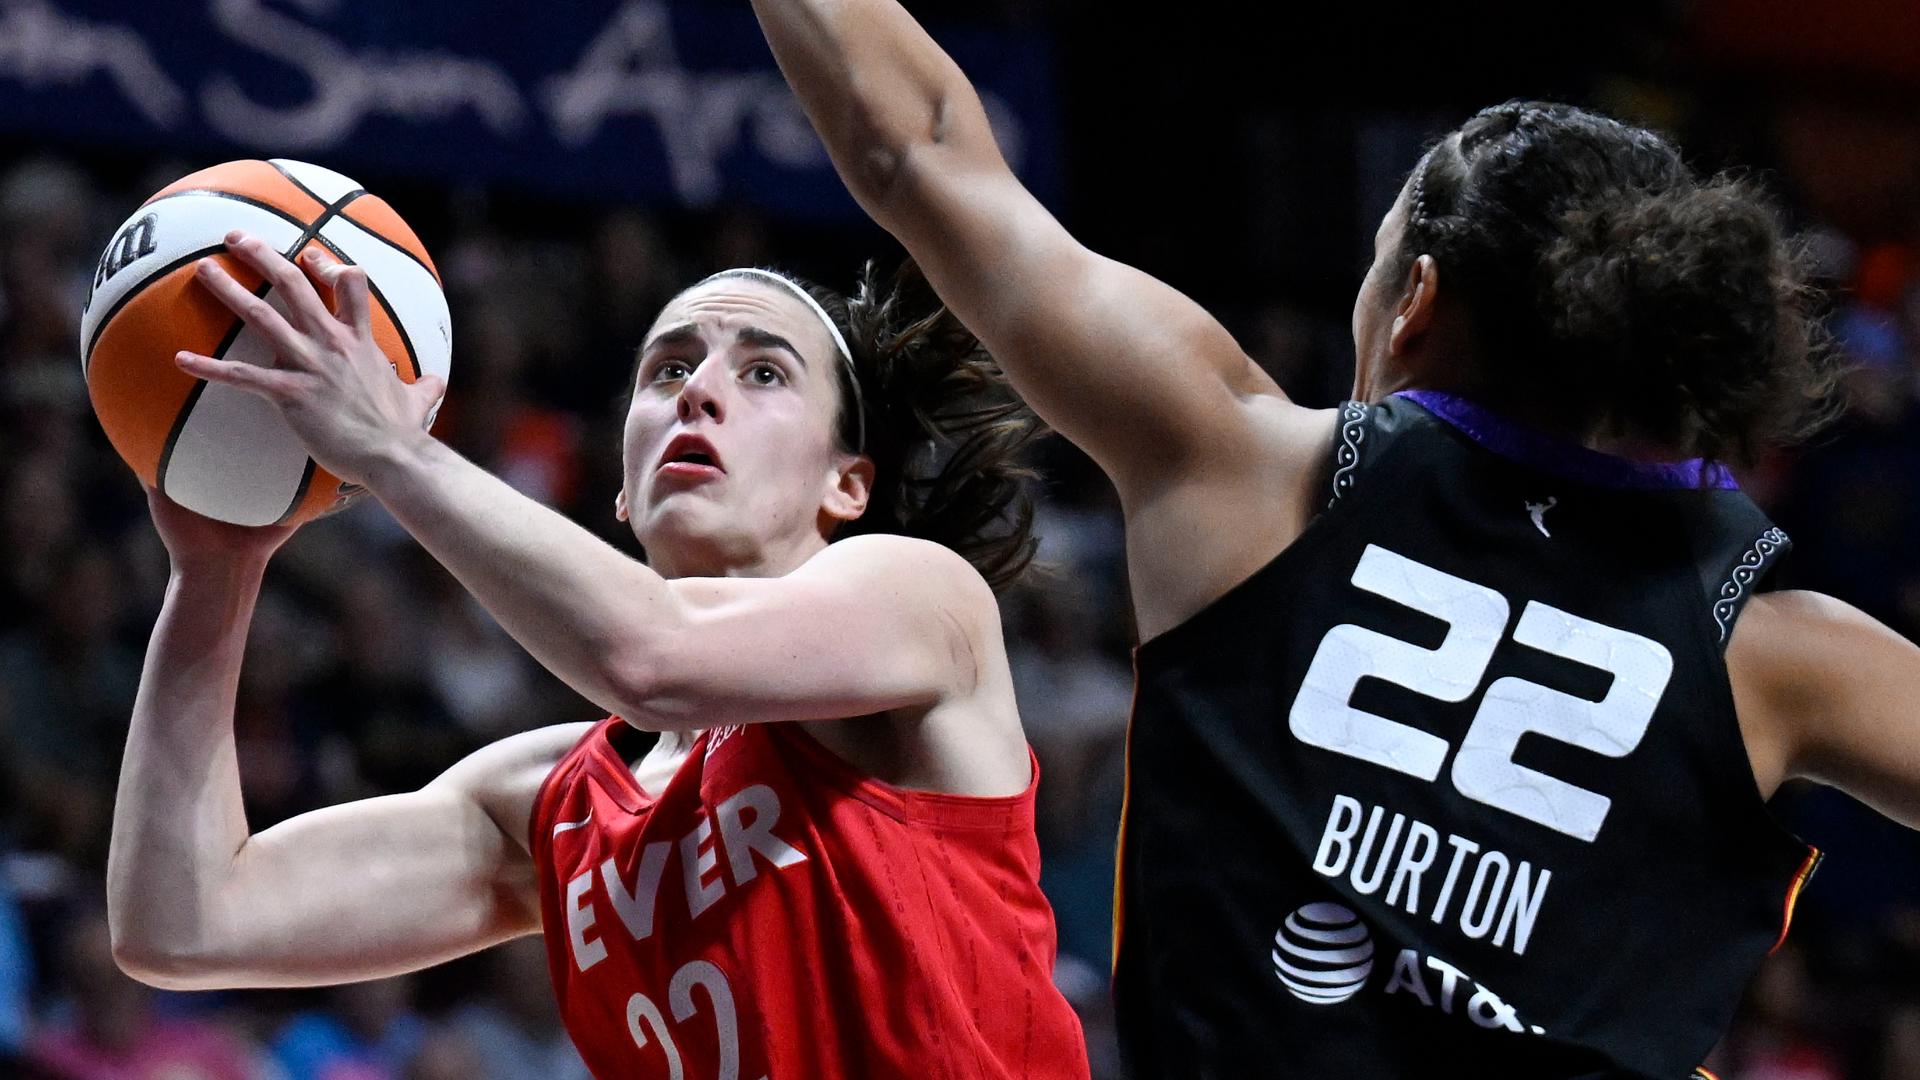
x: 745, y: 830
x: 630, y: 69
x: 633, y: 68
x: 348, y: 86
x: 44, y: 47
x: 1500, y: 895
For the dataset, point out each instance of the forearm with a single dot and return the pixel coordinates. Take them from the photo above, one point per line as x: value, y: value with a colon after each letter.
x: 585, y: 611
x: 178, y: 821
x: 877, y: 90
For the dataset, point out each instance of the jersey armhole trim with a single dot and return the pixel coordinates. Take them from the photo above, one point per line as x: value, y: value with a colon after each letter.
x: 538, y: 839
x: 1346, y: 453
x: 1800, y: 878
x: 936, y: 810
x: 1738, y: 588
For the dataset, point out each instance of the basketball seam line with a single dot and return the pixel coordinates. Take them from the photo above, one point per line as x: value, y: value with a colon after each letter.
x: 232, y: 335
x: 173, y: 434
x: 280, y: 212
x: 368, y: 228
x: 299, y: 492
x: 312, y: 232
x: 200, y: 387
x: 364, y: 226
x: 296, y: 182
x: 86, y: 357
x: 393, y: 314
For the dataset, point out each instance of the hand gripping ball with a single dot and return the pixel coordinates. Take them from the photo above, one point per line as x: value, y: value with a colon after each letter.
x: 214, y: 449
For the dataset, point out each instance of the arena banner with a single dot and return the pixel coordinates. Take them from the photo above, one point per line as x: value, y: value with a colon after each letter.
x: 624, y: 99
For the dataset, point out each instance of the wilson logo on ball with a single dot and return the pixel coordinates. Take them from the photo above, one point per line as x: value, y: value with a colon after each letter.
x: 216, y: 449
x: 128, y: 246
x: 1323, y: 954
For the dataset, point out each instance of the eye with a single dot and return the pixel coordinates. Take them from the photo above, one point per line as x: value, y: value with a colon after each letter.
x: 765, y: 373
x: 671, y: 371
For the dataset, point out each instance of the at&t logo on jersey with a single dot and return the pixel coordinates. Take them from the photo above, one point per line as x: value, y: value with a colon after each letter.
x: 1323, y: 953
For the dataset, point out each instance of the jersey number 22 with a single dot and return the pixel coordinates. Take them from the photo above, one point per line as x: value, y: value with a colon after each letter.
x: 1476, y: 617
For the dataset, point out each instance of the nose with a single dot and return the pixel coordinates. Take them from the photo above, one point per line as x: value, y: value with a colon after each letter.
x: 703, y: 393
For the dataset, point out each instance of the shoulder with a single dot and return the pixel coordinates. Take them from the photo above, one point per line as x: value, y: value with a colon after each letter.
x: 902, y: 568
x: 1792, y: 636
x: 1211, y: 527
x: 1811, y: 675
x: 503, y: 778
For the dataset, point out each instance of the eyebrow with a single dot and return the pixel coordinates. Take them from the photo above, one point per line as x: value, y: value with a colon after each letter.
x: 767, y: 339
x: 679, y: 335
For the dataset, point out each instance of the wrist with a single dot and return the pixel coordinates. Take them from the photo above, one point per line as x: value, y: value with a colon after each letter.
x: 397, y: 462
x: 234, y: 566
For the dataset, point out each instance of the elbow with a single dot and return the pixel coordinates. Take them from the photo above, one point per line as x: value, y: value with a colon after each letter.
x: 634, y: 684
x: 158, y: 966
x: 660, y: 689
x: 888, y: 159
x: 160, y: 960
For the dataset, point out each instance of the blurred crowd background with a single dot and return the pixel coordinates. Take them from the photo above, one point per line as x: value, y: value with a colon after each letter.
x: 1245, y: 157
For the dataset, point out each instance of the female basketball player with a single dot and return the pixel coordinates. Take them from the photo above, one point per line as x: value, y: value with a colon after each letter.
x: 1457, y: 711
x: 825, y: 867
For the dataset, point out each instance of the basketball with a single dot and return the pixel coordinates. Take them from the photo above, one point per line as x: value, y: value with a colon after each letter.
x: 218, y: 450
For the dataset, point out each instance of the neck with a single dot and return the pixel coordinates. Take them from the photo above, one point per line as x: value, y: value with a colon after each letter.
x: 756, y: 559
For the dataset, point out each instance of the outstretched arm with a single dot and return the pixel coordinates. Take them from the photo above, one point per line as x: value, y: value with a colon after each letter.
x: 1826, y: 692
x: 1126, y: 367
x: 197, y: 900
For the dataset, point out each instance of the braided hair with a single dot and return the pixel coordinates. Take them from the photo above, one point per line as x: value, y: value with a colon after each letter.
x: 1611, y: 289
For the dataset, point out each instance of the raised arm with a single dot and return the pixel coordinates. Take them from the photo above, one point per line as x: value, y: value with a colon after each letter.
x: 1126, y: 367
x: 1826, y: 692
x: 197, y: 900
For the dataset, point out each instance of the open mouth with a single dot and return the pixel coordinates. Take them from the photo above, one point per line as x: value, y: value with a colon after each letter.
x: 691, y: 455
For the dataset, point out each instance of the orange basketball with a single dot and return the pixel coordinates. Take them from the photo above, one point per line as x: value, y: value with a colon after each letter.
x: 214, y: 449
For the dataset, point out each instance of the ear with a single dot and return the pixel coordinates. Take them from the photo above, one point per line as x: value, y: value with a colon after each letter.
x: 1419, y: 298
x: 620, y: 505
x: 853, y: 486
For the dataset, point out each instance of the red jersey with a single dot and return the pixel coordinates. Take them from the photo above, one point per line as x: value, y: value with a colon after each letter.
x: 777, y: 914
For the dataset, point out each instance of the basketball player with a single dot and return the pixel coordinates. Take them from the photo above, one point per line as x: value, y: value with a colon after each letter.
x: 825, y: 867
x: 1457, y: 709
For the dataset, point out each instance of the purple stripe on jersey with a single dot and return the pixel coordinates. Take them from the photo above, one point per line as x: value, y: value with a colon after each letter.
x: 1529, y: 447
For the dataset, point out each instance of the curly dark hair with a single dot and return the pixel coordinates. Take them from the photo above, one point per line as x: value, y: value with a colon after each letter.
x: 1611, y: 289
x: 946, y: 433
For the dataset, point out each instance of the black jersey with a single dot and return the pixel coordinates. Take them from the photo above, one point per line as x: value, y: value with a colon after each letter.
x: 1454, y: 786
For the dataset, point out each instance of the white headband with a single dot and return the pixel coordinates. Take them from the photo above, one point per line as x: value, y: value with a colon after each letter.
x: 839, y: 342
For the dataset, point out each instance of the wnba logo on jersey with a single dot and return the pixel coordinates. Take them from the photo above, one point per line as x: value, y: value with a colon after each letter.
x: 1323, y: 953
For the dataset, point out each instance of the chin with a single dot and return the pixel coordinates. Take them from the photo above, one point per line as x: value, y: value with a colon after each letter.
x: 682, y: 524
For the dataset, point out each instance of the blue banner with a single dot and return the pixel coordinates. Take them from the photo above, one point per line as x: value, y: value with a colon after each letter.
x: 638, y: 100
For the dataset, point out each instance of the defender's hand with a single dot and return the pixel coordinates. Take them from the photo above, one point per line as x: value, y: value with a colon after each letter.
x: 331, y: 382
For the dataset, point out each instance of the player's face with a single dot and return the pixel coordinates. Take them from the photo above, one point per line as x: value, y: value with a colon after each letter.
x: 1375, y: 372
x: 730, y: 449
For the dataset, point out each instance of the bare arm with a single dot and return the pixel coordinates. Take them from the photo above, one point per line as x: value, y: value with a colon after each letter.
x: 869, y: 626
x: 196, y: 900
x: 1828, y: 693
x: 872, y: 624
x: 1127, y: 368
